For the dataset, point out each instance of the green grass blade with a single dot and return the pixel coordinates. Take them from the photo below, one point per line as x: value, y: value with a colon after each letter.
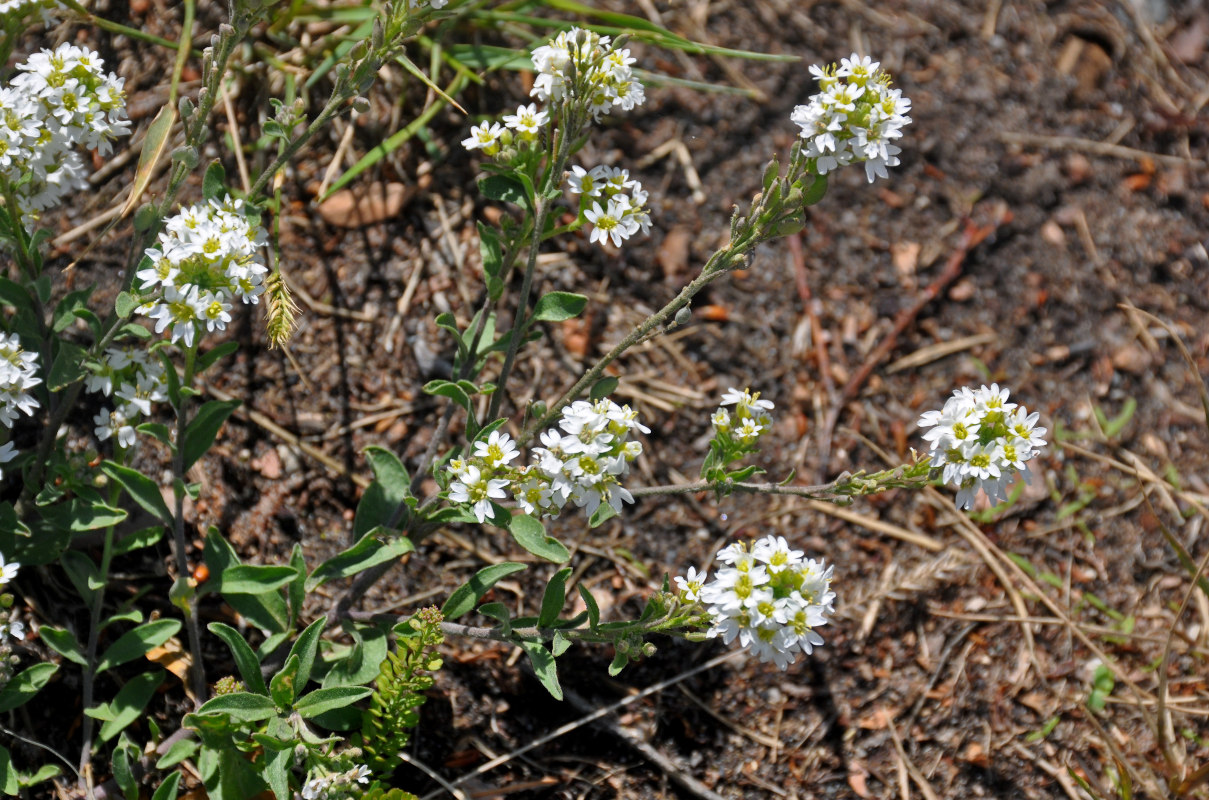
x: 394, y: 142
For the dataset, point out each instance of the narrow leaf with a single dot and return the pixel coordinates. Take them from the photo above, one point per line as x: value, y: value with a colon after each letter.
x: 141, y: 489
x: 464, y: 598
x: 245, y: 659
x: 138, y: 642
x: 154, y: 144
x: 323, y: 700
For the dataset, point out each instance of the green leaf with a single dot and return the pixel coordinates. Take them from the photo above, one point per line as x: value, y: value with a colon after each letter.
x: 8, y: 774
x: 243, y: 706
x: 554, y: 598
x: 141, y: 489
x: 360, y: 663
x: 505, y: 189
x: 386, y: 495
x: 530, y: 534
x: 558, y: 306
x: 24, y: 685
x: 15, y: 295
x: 129, y: 702
x: 64, y: 643
x: 306, y: 648
x: 91, y: 516
x: 451, y: 390
x: 464, y: 598
x: 296, y: 592
x: 176, y: 753
x: 83, y: 573
x: 43, y: 773
x: 544, y: 667
x: 267, y: 611
x: 592, y: 606
x: 618, y: 663
x: 138, y: 540
x: 330, y: 699
x: 251, y: 579
x: 214, y: 184
x: 603, y: 388
x: 137, y: 642
x: 602, y: 514
x: 207, y: 359
x: 370, y: 550
x: 168, y: 789
x: 68, y: 366
x: 283, y: 688
x: 65, y: 310
x: 490, y: 251
x: 245, y: 659
x: 815, y: 192
x: 202, y: 429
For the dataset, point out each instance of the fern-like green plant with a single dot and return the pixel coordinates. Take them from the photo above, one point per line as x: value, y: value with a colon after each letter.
x: 403, y: 677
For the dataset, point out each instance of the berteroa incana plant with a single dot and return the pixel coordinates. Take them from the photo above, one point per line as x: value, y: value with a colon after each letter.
x: 196, y: 266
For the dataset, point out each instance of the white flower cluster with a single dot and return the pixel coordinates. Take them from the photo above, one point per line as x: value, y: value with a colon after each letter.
x: 770, y: 598
x: 581, y: 461
x: 59, y: 99
x: 623, y: 213
x: 749, y: 422
x: 585, y: 462
x: 416, y: 5
x: 335, y: 787
x: 18, y: 370
x: 583, y: 65
x: 491, y: 137
x: 9, y: 628
x: 981, y: 441
x: 206, y: 258
x: 855, y: 117
x: 136, y: 379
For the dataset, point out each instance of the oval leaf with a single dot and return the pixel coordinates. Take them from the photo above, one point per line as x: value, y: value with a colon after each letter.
x: 558, y: 306
x: 241, y: 705
x: 530, y: 534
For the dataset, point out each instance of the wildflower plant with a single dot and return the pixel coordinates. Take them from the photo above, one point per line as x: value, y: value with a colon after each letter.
x: 301, y: 711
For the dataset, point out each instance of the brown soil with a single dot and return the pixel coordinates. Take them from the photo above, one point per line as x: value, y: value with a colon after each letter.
x: 1032, y: 118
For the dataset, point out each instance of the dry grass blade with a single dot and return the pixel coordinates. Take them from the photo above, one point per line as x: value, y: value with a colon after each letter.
x: 920, y: 579
x: 873, y: 524
x: 1188, y: 359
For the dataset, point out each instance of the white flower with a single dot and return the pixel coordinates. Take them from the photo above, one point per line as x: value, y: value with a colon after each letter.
x: 610, y: 222
x: 485, y: 137
x: 981, y: 442
x: 18, y: 370
x: 473, y: 487
x: 8, y: 452
x: 690, y: 585
x: 527, y: 120
x: 13, y: 629
x: 497, y: 450
x: 586, y: 182
x: 8, y: 570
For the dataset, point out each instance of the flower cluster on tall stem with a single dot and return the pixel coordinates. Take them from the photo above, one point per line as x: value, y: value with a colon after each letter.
x: 59, y: 99
x: 581, y: 461
x: 855, y: 117
x: 206, y: 257
x: 981, y: 441
x: 768, y: 597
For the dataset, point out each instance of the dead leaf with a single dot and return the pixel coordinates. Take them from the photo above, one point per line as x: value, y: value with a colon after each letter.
x: 172, y: 657
x: 350, y: 208
x: 674, y: 251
